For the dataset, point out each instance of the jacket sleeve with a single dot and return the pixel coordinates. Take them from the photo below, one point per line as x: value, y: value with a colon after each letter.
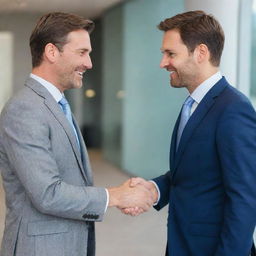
x: 236, y: 143
x: 164, y: 185
x: 26, y: 140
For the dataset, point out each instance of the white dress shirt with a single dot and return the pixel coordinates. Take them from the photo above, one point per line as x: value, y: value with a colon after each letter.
x: 53, y: 90
x: 203, y: 88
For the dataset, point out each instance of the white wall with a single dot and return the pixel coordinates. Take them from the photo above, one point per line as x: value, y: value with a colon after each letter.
x: 20, y: 25
x: 6, y: 66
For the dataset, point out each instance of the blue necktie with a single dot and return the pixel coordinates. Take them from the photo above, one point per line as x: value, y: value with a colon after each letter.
x: 185, y: 115
x: 67, y: 111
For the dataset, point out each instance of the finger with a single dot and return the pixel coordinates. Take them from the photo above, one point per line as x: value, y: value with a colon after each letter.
x: 135, y: 181
x: 147, y: 204
x: 133, y: 211
x: 130, y: 211
x: 126, y: 211
x: 137, y: 211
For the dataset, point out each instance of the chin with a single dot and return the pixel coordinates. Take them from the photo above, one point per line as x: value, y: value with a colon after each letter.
x: 77, y: 85
x: 174, y: 85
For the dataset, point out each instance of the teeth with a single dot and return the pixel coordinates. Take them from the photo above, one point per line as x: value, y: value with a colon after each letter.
x: 80, y: 73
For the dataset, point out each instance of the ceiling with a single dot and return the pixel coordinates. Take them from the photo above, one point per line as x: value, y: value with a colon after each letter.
x: 89, y: 8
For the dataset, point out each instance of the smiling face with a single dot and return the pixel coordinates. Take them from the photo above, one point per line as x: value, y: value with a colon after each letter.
x: 178, y: 61
x: 73, y: 60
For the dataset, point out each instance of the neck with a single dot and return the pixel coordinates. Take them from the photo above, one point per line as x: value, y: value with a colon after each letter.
x: 47, y: 74
x: 201, y: 77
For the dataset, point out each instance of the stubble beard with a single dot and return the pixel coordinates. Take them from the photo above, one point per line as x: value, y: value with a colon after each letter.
x: 177, y: 82
x: 183, y: 79
x: 70, y: 81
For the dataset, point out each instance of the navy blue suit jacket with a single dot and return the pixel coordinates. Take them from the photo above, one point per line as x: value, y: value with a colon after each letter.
x: 211, y: 185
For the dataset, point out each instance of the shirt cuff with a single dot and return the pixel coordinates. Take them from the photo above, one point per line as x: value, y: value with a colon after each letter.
x: 106, y: 207
x: 158, y: 192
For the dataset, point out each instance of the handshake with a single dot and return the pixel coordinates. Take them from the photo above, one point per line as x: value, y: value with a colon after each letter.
x: 133, y: 197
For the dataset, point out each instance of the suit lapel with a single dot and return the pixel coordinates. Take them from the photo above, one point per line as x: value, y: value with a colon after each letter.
x: 196, y: 118
x: 52, y: 105
x: 55, y: 109
x: 173, y: 143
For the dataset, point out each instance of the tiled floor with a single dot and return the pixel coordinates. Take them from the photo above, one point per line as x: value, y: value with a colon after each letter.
x: 118, y: 234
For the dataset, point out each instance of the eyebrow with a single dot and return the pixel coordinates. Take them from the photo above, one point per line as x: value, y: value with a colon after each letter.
x: 166, y: 50
x: 84, y: 50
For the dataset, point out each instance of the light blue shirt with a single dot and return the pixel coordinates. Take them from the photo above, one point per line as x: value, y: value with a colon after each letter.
x: 199, y: 93
x: 57, y: 95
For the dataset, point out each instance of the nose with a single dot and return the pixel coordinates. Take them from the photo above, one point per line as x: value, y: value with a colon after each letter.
x: 88, y: 62
x: 164, y: 62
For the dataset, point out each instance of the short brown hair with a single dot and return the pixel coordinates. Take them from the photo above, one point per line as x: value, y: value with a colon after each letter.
x: 54, y: 28
x: 197, y: 27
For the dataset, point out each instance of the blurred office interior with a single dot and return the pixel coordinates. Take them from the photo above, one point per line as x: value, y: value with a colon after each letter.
x: 126, y: 108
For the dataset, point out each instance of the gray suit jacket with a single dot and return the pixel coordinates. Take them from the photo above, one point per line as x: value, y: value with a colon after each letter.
x: 51, y: 203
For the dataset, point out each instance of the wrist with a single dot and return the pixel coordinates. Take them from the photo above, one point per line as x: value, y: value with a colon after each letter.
x: 154, y: 192
x: 113, y: 201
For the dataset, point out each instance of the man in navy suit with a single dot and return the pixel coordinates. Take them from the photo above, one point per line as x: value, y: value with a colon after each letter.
x: 211, y: 184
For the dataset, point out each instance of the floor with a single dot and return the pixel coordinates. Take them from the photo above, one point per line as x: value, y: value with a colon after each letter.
x: 119, y: 234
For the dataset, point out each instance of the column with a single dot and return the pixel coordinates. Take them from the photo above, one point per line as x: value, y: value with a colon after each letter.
x: 6, y: 66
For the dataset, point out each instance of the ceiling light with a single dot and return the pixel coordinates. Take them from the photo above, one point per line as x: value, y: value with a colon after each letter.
x: 90, y: 93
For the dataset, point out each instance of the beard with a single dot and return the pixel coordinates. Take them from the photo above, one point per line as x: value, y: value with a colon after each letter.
x: 183, y: 77
x: 70, y: 80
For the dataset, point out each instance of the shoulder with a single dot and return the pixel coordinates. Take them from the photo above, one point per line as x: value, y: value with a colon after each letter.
x: 231, y: 99
x: 23, y: 100
x: 237, y: 115
x: 24, y: 109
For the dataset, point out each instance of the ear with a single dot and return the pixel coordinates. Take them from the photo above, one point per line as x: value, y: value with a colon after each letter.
x: 51, y: 52
x: 202, y: 53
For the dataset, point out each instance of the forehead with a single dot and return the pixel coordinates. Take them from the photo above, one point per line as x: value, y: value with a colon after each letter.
x: 79, y: 39
x: 172, y: 40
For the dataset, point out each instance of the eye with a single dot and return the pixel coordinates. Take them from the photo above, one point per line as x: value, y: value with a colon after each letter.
x: 82, y: 53
x: 170, y: 54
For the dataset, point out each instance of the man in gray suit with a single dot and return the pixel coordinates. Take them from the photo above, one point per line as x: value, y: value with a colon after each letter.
x: 51, y: 202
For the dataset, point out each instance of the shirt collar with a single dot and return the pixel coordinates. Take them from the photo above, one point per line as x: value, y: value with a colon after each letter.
x: 204, y: 87
x: 53, y: 90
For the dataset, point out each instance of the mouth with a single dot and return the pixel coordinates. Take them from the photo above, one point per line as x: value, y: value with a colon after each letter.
x: 81, y: 73
x: 172, y: 72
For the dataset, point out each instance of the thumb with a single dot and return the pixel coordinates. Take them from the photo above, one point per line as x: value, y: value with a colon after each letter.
x: 135, y: 181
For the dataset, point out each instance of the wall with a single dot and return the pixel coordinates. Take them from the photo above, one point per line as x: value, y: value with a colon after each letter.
x: 151, y: 106
x: 21, y: 26
x: 6, y: 66
x: 145, y: 117
x: 112, y: 83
